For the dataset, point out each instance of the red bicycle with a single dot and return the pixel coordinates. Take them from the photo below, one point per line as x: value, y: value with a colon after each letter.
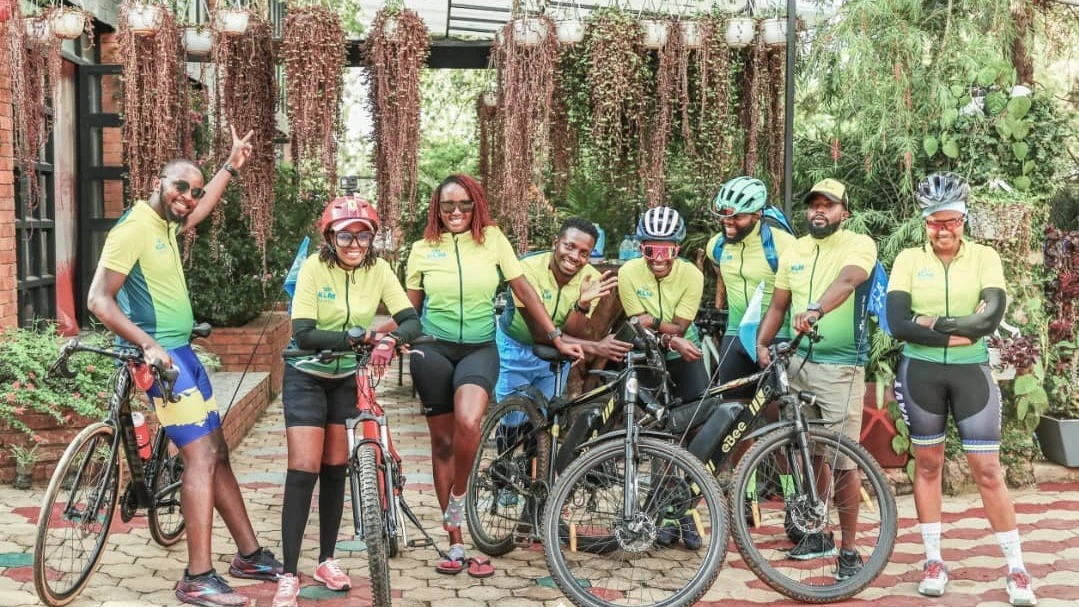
x: 374, y: 468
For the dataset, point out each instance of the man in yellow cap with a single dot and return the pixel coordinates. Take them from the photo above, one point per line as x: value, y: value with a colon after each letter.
x: 823, y: 279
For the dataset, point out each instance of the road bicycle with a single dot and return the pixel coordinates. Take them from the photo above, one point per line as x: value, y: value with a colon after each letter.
x: 376, y: 481
x: 78, y: 508
x: 782, y: 487
x: 629, y: 491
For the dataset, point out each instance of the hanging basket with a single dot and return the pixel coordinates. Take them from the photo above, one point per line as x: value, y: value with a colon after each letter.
x: 529, y: 31
x: 144, y: 19
x: 774, y: 31
x: 389, y: 27
x: 729, y: 6
x: 489, y: 99
x: 654, y: 33
x: 232, y: 22
x: 38, y: 29
x: 198, y: 41
x: 569, y: 31
x: 740, y: 32
x: 691, y: 34
x: 68, y: 24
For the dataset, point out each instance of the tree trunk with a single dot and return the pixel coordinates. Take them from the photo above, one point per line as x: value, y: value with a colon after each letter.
x: 1022, y: 60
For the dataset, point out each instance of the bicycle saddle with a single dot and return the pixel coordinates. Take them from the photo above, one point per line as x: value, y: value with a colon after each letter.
x: 546, y: 353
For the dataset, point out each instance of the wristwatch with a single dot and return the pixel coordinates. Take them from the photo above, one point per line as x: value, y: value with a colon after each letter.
x: 815, y: 307
x: 582, y: 309
x: 553, y: 335
x: 231, y: 169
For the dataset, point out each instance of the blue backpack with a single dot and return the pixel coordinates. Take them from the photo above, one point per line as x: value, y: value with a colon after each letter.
x: 771, y: 215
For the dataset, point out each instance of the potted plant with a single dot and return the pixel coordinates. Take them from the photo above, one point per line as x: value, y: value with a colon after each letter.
x: 569, y: 31
x: 25, y: 459
x: 69, y: 22
x: 142, y: 18
x: 231, y: 20
x: 740, y: 31
x: 1058, y: 432
x: 654, y: 33
x: 774, y: 31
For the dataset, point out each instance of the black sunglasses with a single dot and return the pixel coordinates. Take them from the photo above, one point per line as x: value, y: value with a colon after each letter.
x: 183, y: 187
x: 465, y: 206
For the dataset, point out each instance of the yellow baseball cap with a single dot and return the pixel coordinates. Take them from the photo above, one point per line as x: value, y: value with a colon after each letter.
x: 832, y: 189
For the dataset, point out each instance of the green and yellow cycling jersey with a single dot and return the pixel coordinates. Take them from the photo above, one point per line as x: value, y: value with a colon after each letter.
x: 338, y: 299
x: 807, y: 269
x: 459, y: 277
x: 743, y: 266
x: 947, y: 290
x: 557, y: 300
x: 677, y: 294
x: 142, y: 246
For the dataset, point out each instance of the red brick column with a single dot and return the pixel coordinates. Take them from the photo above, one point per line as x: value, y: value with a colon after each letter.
x: 9, y: 297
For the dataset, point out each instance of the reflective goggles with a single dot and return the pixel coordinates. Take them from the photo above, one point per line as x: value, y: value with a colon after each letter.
x: 659, y: 252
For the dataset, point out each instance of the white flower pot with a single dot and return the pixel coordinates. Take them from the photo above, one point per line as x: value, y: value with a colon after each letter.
x: 729, y: 6
x: 1020, y: 91
x: 37, y: 30
x: 198, y: 42
x: 490, y: 99
x: 815, y: 12
x: 144, y: 19
x: 691, y: 33
x: 529, y: 31
x: 232, y: 22
x: 1000, y: 372
x: 740, y: 31
x: 389, y: 27
x: 774, y: 31
x: 68, y: 24
x: 570, y: 31
x: 654, y: 33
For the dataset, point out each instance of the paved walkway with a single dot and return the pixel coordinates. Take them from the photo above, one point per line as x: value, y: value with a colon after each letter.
x: 135, y: 572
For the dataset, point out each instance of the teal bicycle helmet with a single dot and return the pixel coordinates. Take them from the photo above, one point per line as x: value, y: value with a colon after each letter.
x: 661, y: 223
x: 740, y: 195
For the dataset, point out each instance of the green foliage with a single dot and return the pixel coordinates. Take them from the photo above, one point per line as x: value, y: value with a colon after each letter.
x: 26, y: 386
x: 224, y: 271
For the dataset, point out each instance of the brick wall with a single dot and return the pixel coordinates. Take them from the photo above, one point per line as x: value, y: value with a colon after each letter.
x: 234, y: 346
x: 9, y: 313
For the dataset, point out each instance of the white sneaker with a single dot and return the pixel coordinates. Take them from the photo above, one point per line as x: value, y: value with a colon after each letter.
x: 329, y: 572
x: 288, y: 588
x: 1020, y: 591
x: 934, y: 580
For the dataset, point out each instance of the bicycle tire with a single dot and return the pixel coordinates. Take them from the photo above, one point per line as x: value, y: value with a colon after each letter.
x: 671, y: 480
x: 803, y: 580
x: 492, y: 519
x: 374, y: 528
x: 92, y: 458
x: 166, y: 517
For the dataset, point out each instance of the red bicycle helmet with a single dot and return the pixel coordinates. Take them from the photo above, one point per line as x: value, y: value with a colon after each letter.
x: 344, y: 211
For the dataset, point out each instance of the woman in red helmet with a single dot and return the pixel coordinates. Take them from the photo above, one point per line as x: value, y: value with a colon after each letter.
x: 338, y: 288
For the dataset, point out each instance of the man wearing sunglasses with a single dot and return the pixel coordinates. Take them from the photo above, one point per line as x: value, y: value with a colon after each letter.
x: 139, y: 292
x: 823, y: 280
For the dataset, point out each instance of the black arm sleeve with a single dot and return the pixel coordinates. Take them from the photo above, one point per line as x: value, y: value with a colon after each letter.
x: 904, y: 328
x: 408, y: 325
x: 976, y: 326
x: 307, y: 337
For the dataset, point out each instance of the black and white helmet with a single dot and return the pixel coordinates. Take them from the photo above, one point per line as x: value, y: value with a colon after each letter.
x: 661, y: 223
x: 942, y: 192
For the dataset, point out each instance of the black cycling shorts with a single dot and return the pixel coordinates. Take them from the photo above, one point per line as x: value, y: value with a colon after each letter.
x: 735, y: 363
x: 689, y: 379
x: 443, y: 367
x: 310, y: 400
x: 927, y: 391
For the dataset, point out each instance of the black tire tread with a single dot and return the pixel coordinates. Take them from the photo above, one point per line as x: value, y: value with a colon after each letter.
x: 371, y: 513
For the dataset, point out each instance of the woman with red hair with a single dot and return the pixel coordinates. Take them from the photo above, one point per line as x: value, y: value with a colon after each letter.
x: 451, y: 279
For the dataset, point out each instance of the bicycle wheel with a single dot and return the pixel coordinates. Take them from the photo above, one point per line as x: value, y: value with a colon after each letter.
x: 76, y: 515
x: 814, y: 571
x: 374, y: 531
x: 506, y: 486
x: 677, y: 500
x: 166, y: 517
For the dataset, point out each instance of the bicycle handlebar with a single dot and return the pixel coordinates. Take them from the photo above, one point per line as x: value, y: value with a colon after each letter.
x: 166, y: 378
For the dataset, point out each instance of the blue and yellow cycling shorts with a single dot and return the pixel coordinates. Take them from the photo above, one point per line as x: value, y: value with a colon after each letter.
x: 196, y: 414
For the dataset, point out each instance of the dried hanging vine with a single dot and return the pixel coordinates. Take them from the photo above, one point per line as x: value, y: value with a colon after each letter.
x: 246, y: 95
x: 396, y: 53
x: 313, y: 52
x: 490, y: 132
x: 525, y: 90
x: 656, y: 127
x: 35, y: 73
x: 706, y: 128
x: 750, y: 102
x: 154, y: 99
x: 570, y: 97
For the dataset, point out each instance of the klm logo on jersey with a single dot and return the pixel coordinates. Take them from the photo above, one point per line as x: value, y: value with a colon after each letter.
x: 436, y: 254
x: 160, y: 245
x: 727, y: 256
x: 644, y: 292
x: 798, y: 268
x: 326, y: 294
x: 926, y: 274
x: 547, y: 295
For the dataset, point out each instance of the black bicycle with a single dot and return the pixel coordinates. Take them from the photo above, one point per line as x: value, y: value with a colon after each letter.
x: 77, y: 510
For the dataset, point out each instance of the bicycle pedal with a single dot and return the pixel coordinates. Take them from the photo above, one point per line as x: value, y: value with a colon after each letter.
x: 420, y: 543
x: 523, y: 535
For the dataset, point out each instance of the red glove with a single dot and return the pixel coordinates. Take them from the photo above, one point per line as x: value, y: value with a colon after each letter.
x: 382, y: 354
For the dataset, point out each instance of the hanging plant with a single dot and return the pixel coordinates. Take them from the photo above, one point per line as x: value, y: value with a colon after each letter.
x: 8, y: 9
x: 313, y: 51
x: 396, y: 53
x: 70, y: 22
x: 490, y: 131
x: 775, y: 60
x: 750, y: 90
x: 246, y: 96
x: 665, y: 90
x: 616, y: 77
x: 569, y: 110
x: 35, y: 73
x: 525, y: 57
x: 706, y: 122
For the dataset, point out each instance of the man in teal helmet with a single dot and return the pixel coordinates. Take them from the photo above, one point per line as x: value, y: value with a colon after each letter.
x: 745, y: 254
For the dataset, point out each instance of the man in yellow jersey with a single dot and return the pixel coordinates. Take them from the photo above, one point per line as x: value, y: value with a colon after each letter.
x: 823, y: 280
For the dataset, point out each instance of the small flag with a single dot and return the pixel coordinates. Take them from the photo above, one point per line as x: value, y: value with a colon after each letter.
x: 294, y: 271
x: 751, y: 321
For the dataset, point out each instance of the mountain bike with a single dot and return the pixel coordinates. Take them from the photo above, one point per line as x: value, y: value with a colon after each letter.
x: 376, y: 481
x: 77, y: 510
x: 782, y: 486
x: 631, y: 491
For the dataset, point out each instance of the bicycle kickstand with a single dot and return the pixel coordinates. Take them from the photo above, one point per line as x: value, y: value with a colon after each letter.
x: 427, y: 539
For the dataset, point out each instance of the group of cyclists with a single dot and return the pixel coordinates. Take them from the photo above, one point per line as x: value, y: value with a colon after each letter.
x: 943, y: 298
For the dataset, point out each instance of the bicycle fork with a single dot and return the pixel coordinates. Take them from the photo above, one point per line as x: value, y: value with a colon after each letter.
x: 387, y: 484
